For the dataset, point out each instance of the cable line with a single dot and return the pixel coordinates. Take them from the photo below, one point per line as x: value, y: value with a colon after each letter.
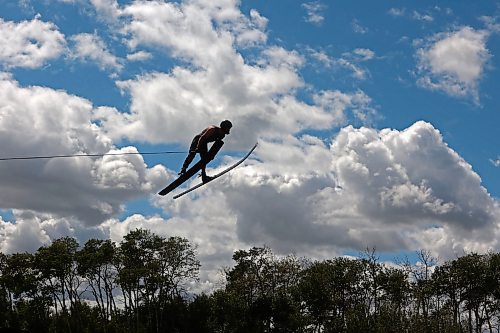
x: 87, y: 155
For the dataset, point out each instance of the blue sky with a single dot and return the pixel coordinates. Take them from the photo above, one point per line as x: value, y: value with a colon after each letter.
x: 376, y: 122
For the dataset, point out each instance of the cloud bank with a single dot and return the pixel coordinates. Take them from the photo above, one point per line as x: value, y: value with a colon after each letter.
x: 395, y: 189
x: 390, y: 189
x: 54, y: 122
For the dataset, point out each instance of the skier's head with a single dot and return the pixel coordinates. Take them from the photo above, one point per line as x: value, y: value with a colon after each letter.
x: 226, y: 126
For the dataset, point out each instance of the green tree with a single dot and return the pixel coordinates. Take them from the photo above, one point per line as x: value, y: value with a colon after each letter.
x: 153, y: 272
x: 29, y: 302
x: 58, y: 275
x: 476, y: 285
x: 332, y: 292
x: 395, y: 299
x: 261, y: 289
x: 5, y: 297
x: 97, y: 262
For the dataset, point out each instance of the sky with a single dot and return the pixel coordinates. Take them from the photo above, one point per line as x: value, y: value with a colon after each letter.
x: 377, y: 124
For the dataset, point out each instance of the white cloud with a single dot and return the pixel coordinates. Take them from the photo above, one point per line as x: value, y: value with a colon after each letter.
x: 161, y: 103
x: 259, y: 20
x: 250, y: 32
x: 491, y: 23
x: 395, y: 190
x: 29, y: 44
x: 26, y: 7
x: 90, y: 47
x: 21, y: 236
x: 358, y: 28
x: 258, y: 96
x: 348, y: 61
x: 139, y: 56
x: 396, y: 12
x: 322, y: 57
x: 496, y: 162
x: 338, y: 103
x: 32, y: 230
x: 422, y: 17
x: 314, y: 11
x: 357, y: 72
x: 201, y: 32
x: 364, y: 54
x: 388, y: 178
x: 53, y: 123
x: 107, y: 9
x: 278, y: 56
x: 454, y: 62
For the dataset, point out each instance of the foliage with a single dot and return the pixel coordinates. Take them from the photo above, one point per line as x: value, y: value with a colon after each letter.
x: 142, y: 285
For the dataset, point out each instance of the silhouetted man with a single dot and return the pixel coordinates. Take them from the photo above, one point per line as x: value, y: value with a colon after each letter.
x: 200, y: 145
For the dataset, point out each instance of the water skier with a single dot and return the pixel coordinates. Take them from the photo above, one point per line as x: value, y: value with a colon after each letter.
x: 200, y: 145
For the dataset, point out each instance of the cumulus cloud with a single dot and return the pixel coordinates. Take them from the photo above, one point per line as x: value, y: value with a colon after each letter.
x: 454, y: 62
x: 90, y: 47
x: 396, y: 190
x: 391, y: 189
x: 374, y: 181
x: 22, y: 236
x: 29, y: 44
x: 107, y: 9
x: 258, y: 96
x: 188, y: 30
x: 53, y: 123
x: 161, y: 103
x: 209, y: 226
x: 31, y: 230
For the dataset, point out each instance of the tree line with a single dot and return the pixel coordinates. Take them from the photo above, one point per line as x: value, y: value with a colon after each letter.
x: 142, y: 283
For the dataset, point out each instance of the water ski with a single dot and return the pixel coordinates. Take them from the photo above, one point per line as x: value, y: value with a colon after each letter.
x: 217, y: 175
x: 217, y: 145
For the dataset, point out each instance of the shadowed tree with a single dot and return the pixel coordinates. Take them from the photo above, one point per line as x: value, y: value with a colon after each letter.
x: 41, y: 292
x: 97, y: 262
x: 28, y: 299
x: 332, y: 292
x: 58, y: 274
x: 5, y: 294
x: 153, y: 272
x: 261, y: 290
x: 422, y: 286
x: 476, y: 285
x: 395, y: 298
x: 58, y: 271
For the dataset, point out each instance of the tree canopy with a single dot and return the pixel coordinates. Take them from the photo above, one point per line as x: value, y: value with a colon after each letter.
x: 141, y: 285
